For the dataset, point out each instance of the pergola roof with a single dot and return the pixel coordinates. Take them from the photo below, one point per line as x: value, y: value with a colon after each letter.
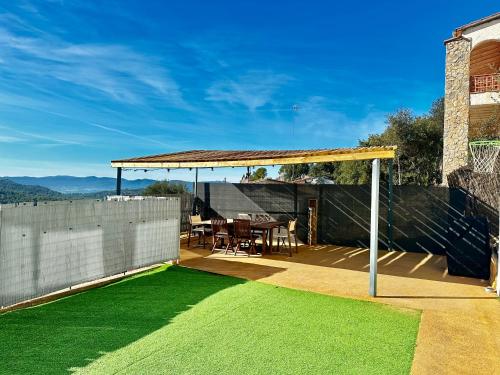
x: 216, y: 158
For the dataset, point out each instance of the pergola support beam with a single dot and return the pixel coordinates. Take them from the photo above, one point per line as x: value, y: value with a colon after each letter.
x: 195, y: 182
x: 374, y: 227
x: 118, y: 181
x: 195, y: 192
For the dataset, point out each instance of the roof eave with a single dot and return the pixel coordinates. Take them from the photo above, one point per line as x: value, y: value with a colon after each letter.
x: 459, y: 30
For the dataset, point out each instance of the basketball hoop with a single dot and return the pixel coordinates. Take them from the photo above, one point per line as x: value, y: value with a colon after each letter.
x: 484, y: 155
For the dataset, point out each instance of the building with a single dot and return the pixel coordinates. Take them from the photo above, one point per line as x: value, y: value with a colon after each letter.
x: 472, y: 89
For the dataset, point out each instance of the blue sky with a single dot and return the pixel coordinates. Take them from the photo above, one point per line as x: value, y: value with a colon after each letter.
x: 82, y: 82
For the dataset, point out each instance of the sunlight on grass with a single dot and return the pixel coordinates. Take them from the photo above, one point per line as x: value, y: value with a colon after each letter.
x: 176, y: 320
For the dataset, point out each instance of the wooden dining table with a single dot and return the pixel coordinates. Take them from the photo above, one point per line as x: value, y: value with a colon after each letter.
x: 266, y: 227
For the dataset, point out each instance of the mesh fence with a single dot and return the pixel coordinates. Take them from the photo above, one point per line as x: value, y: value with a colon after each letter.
x: 422, y: 216
x: 54, y: 245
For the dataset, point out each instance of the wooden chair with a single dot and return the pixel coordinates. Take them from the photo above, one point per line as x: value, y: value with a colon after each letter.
x: 195, y: 227
x: 288, y: 232
x: 262, y: 218
x: 243, y: 235
x: 220, y: 232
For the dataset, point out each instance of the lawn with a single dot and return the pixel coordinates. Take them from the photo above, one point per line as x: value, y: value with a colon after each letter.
x: 175, y: 320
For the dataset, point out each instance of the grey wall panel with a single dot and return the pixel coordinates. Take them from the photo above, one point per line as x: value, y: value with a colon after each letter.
x: 55, y: 245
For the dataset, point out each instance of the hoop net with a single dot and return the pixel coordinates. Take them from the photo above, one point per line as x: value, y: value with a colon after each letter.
x: 484, y: 155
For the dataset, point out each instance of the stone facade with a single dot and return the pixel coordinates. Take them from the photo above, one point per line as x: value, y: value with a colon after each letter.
x: 456, y: 115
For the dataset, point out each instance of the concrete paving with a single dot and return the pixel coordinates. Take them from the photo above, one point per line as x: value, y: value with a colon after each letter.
x: 460, y: 326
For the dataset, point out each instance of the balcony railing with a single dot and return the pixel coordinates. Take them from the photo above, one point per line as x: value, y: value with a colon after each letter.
x: 485, y: 83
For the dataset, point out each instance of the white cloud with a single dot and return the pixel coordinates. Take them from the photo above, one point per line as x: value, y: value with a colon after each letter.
x: 48, y: 140
x: 115, y: 130
x: 9, y: 139
x: 115, y: 70
x: 317, y: 117
x: 252, y: 90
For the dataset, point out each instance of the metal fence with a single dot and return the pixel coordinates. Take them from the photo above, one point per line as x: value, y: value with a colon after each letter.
x: 54, y: 245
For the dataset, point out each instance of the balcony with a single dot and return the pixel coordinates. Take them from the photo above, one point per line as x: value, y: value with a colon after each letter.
x: 485, y: 83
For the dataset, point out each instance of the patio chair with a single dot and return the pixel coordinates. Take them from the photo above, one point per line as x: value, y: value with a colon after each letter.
x: 287, y: 234
x: 243, y: 236
x: 197, y: 228
x: 262, y: 218
x: 220, y: 233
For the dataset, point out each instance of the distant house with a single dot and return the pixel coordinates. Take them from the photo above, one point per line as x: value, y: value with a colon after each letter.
x: 472, y: 91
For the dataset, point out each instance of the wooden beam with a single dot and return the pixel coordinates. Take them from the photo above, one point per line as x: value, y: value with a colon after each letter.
x: 324, y: 158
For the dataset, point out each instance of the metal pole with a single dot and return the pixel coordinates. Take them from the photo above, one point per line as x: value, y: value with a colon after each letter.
x: 195, y: 182
x: 119, y: 181
x: 195, y: 192
x: 374, y: 227
x: 295, y: 201
x: 389, y: 206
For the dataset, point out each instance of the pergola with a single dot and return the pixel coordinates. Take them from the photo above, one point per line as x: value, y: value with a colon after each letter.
x: 196, y: 159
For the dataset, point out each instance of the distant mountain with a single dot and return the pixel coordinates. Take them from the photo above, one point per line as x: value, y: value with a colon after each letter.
x: 11, y: 192
x: 84, y: 185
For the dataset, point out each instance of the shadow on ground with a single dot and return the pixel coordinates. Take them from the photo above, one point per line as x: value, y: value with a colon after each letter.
x: 392, y: 263
x: 70, y: 333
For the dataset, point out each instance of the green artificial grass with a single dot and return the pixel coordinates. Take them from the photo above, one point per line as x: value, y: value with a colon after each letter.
x: 180, y: 321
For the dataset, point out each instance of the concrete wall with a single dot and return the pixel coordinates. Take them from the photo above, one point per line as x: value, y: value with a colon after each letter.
x: 55, y: 245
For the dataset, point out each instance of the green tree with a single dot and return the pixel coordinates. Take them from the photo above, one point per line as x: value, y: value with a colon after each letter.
x: 323, y: 170
x: 293, y: 171
x: 259, y: 174
x: 163, y: 188
x: 418, y: 158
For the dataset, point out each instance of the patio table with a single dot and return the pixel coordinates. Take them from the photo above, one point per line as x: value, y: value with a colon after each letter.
x: 266, y: 227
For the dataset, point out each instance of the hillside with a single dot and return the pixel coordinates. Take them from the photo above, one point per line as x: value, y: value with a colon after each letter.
x: 11, y: 192
x: 72, y: 184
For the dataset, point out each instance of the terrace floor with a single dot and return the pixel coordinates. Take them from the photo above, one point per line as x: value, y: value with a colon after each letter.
x: 460, y: 325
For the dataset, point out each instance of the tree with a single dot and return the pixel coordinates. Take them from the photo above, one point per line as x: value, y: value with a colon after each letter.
x: 420, y: 149
x: 258, y: 174
x: 323, y: 170
x: 163, y: 188
x: 293, y: 171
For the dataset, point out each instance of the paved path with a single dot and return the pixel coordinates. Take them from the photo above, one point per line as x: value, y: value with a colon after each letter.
x: 460, y: 326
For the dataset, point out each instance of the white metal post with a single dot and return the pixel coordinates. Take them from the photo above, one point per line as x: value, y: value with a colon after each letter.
x: 374, y: 227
